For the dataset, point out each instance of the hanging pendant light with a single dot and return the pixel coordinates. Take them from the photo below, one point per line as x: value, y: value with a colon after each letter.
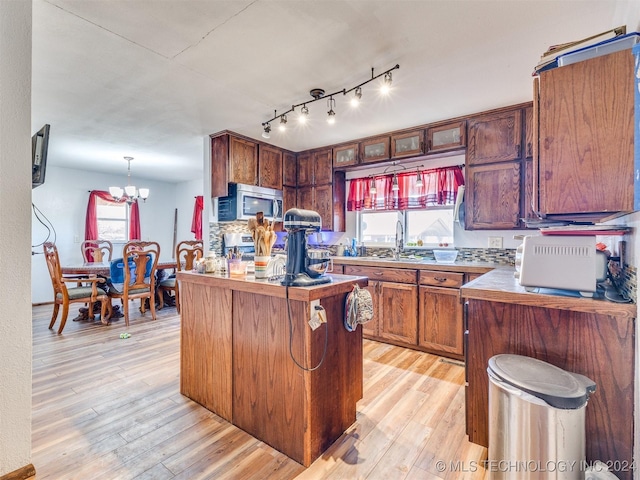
x: 372, y: 186
x: 419, y: 179
x: 129, y: 193
x: 394, y: 183
x: 331, y: 115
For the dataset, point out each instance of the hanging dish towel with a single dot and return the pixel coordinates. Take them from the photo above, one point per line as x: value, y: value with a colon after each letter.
x: 358, y: 309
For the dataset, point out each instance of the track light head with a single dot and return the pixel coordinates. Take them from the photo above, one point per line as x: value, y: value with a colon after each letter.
x: 304, y: 114
x: 331, y: 115
x: 283, y: 123
x: 267, y: 131
x: 386, y: 83
x: 357, y: 96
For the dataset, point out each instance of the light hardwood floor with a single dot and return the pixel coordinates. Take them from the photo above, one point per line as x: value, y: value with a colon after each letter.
x: 110, y: 408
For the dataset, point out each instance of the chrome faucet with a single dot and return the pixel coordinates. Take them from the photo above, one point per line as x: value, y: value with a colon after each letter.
x: 399, y: 240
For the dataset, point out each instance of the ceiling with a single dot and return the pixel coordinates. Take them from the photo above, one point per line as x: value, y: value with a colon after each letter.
x: 153, y: 78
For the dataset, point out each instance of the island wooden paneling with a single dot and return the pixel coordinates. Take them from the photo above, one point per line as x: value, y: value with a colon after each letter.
x: 205, y: 347
x: 300, y: 412
x: 598, y: 346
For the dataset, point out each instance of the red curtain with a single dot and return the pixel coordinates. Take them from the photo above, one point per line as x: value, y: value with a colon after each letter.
x: 440, y: 187
x: 196, y: 221
x: 91, y: 221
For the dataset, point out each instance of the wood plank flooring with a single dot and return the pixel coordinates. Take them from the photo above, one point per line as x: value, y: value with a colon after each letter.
x: 110, y: 408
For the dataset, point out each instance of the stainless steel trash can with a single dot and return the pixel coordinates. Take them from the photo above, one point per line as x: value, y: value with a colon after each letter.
x: 536, y: 419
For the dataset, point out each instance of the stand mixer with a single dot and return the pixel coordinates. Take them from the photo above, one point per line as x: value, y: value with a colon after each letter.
x: 305, y: 267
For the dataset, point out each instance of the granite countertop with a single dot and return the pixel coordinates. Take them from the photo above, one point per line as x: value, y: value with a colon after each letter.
x: 416, y: 264
x: 248, y: 283
x: 500, y: 285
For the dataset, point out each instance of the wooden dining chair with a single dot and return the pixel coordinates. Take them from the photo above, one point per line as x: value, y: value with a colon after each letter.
x: 96, y: 251
x: 138, y: 279
x: 89, y: 293
x: 187, y: 252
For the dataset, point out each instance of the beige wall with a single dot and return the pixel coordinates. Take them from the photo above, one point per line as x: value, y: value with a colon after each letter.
x: 15, y: 235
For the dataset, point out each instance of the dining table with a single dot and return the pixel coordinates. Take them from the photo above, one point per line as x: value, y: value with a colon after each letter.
x: 102, y: 269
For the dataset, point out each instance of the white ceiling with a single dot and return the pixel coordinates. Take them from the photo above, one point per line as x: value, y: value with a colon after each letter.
x: 153, y: 78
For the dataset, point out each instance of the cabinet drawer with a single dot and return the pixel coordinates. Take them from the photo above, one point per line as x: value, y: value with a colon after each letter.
x: 441, y: 279
x: 386, y: 274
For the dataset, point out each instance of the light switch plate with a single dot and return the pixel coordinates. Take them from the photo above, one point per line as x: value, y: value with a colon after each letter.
x: 495, y: 242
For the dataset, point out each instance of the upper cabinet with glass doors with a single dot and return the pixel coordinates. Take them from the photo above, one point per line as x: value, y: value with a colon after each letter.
x: 345, y: 155
x: 450, y: 136
x: 374, y: 149
x: 407, y: 144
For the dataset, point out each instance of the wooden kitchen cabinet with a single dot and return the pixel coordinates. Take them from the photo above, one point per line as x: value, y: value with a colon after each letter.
x: 586, y: 138
x: 528, y: 132
x: 407, y: 144
x: 289, y: 169
x: 374, y: 149
x: 495, y: 137
x: 270, y: 167
x: 395, y: 303
x: 450, y: 136
x: 492, y: 196
x: 289, y: 198
x: 243, y: 161
x: 322, y: 167
x: 345, y: 155
x: 305, y: 169
x: 440, y: 318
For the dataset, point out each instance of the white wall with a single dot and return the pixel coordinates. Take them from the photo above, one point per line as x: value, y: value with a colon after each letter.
x: 15, y: 193
x: 63, y: 200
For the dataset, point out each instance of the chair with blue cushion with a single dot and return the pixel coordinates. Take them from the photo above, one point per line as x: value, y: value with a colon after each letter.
x: 138, y: 280
x: 89, y: 293
x: 187, y: 252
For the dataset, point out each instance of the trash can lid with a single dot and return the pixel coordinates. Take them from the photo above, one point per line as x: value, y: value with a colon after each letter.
x: 557, y: 387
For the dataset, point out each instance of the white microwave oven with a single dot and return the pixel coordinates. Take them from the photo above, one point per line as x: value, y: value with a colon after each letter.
x: 244, y: 201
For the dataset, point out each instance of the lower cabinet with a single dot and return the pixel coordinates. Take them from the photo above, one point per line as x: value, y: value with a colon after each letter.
x: 421, y: 309
x: 440, y: 321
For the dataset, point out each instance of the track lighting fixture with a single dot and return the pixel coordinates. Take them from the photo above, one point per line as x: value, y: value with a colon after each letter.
x: 395, y: 186
x: 304, y: 114
x: 357, y: 95
x: 386, y: 84
x: 331, y: 115
x: 319, y: 93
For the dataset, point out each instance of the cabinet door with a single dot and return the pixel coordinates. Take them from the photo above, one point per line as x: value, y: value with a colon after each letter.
x: 528, y: 207
x: 243, y: 161
x: 586, y: 136
x: 323, y: 204
x: 440, y: 320
x: 494, y: 137
x: 371, y: 328
x: 493, y: 197
x: 289, y: 198
x: 305, y: 170
x: 289, y: 169
x: 399, y: 312
x: 270, y: 167
x: 219, y: 166
x: 305, y: 198
x: 374, y: 150
x: 345, y: 155
x: 407, y: 144
x: 528, y: 132
x: 451, y: 136
x: 323, y: 167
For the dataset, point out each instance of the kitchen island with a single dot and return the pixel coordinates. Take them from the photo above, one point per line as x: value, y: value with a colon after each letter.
x: 239, y: 339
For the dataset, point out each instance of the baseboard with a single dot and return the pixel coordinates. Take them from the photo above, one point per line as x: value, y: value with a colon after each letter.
x: 23, y: 473
x: 37, y: 305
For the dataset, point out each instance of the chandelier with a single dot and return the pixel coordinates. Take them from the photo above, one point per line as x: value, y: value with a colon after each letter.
x: 130, y: 194
x: 319, y: 93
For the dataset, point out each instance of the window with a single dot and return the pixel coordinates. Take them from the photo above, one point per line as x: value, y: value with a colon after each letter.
x: 422, y: 228
x: 113, y: 220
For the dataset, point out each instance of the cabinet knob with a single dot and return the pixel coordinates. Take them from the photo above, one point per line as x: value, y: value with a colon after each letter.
x: 440, y: 279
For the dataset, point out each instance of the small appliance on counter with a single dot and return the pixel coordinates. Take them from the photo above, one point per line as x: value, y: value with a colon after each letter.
x: 305, y: 266
x: 562, y: 262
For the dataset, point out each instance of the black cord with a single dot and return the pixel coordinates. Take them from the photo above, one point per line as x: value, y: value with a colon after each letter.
x: 326, y: 337
x: 38, y: 213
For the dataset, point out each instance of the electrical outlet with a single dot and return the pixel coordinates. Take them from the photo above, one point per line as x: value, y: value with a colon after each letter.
x: 76, y: 239
x: 312, y: 307
x: 495, y: 242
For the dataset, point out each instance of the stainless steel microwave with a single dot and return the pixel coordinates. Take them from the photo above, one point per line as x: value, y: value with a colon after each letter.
x: 244, y: 201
